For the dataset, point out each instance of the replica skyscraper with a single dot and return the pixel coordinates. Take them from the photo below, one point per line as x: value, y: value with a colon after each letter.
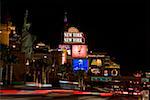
x: 65, y: 21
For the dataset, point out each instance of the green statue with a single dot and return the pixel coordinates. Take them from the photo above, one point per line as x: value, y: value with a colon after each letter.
x: 27, y: 38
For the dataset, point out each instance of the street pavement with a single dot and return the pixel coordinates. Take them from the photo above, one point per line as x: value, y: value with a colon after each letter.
x: 59, y: 94
x: 56, y: 96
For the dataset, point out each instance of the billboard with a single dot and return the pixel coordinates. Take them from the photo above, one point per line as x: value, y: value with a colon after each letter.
x: 96, y: 62
x: 79, y: 51
x: 63, y: 47
x: 80, y: 64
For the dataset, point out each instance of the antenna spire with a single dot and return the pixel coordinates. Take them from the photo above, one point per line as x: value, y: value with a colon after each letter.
x: 65, y: 21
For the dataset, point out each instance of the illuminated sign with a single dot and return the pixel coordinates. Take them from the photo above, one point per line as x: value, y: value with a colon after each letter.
x: 145, y: 94
x: 95, y: 71
x: 114, y: 72
x: 112, y: 66
x: 145, y: 79
x: 64, y: 57
x: 96, y: 56
x: 96, y: 62
x: 147, y: 74
x: 79, y: 51
x: 73, y: 36
x: 73, y: 29
x: 67, y: 34
x: 103, y: 79
x: 65, y: 47
x: 80, y: 64
x: 105, y: 72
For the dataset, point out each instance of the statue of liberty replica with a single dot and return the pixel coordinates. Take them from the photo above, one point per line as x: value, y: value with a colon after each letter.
x: 27, y: 39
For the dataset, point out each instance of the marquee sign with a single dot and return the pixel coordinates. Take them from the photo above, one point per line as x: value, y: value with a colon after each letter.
x: 73, y: 36
x: 96, y: 56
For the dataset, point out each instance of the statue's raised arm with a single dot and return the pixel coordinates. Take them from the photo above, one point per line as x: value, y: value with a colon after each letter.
x: 25, y: 17
x: 26, y: 25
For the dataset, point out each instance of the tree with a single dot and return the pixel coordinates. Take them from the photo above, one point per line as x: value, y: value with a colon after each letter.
x: 8, y: 60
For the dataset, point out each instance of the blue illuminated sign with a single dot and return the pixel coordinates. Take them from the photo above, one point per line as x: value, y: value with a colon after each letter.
x: 80, y: 64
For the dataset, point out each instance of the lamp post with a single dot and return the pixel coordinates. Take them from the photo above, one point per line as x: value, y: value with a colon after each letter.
x: 11, y: 73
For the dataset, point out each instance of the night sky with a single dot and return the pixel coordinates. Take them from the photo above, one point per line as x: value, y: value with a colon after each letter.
x: 122, y: 29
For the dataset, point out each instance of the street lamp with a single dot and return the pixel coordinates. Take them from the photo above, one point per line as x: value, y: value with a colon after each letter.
x: 27, y: 63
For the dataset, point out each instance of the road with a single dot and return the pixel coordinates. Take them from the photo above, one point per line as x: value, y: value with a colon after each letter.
x: 56, y: 96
